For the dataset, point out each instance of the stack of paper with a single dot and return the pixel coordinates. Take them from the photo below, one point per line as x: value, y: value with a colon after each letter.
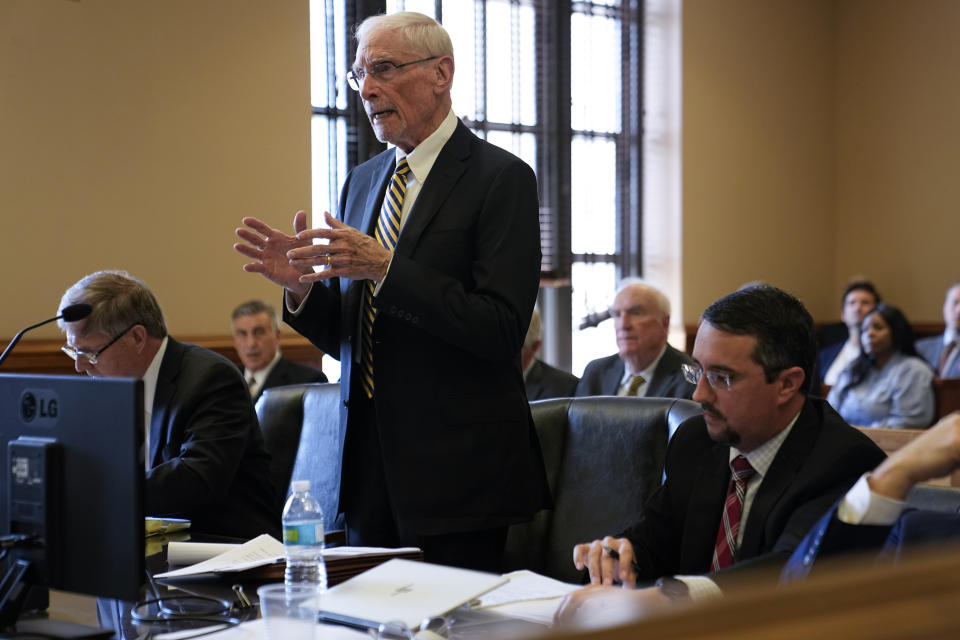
x: 264, y: 555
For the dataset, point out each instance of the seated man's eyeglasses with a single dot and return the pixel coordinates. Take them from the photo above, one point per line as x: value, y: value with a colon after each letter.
x: 718, y: 380
x: 382, y: 71
x: 75, y: 353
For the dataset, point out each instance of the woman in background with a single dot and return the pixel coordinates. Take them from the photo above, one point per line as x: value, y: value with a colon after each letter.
x: 888, y: 385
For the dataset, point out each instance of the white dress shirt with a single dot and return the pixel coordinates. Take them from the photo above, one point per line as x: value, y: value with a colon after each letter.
x: 149, y: 392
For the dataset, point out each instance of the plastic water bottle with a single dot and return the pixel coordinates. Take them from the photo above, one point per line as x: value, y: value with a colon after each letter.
x: 303, y: 538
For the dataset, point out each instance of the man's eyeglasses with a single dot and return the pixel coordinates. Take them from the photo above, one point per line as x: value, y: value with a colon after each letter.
x: 718, y: 380
x: 382, y: 71
x: 91, y: 357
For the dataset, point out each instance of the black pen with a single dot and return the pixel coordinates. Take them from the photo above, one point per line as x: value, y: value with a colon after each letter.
x: 613, y: 553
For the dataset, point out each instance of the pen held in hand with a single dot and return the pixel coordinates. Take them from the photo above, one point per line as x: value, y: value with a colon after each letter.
x: 613, y: 553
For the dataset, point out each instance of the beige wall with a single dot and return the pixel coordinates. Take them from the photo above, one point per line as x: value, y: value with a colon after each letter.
x: 898, y: 179
x: 136, y: 134
x: 819, y: 142
x: 758, y: 150
x: 819, y: 138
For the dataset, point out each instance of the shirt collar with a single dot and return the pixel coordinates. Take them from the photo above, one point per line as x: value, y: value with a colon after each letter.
x: 260, y: 375
x: 421, y: 159
x: 762, y: 457
x: 152, y: 374
x: 950, y: 335
x: 646, y: 373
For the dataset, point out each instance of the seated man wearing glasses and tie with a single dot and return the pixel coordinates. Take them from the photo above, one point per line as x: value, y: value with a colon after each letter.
x: 645, y: 365
x: 746, y: 480
x: 205, y: 458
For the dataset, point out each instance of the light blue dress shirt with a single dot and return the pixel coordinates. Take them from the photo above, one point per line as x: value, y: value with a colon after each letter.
x: 899, y: 396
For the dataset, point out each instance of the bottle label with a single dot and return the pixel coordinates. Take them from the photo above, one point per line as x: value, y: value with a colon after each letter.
x: 303, y: 534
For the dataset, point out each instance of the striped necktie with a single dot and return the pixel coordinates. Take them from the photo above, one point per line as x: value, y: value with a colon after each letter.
x: 726, y: 546
x: 945, y: 357
x: 387, y: 233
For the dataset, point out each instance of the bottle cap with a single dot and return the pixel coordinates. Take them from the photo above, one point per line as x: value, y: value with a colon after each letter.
x: 300, y: 485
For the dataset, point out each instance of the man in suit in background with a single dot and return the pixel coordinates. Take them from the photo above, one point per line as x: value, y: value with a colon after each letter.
x: 645, y: 365
x: 943, y: 352
x: 205, y: 458
x: 542, y: 380
x: 256, y: 337
x: 858, y: 298
x: 426, y: 293
x: 746, y: 480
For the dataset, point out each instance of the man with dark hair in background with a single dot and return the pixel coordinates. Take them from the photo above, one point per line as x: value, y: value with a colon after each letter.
x: 840, y: 343
x: 256, y: 337
x: 205, y: 458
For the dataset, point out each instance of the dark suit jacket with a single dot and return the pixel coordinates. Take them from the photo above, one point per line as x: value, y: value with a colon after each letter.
x: 829, y: 537
x: 544, y: 381
x: 206, y: 450
x: 825, y: 358
x: 602, y: 377
x: 820, y: 459
x: 459, y: 448
x: 289, y: 372
x: 930, y: 349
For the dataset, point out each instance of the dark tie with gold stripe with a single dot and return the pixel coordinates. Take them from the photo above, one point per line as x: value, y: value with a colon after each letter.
x: 387, y: 233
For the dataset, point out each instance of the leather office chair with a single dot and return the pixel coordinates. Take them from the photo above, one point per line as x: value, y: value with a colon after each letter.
x: 604, y: 455
x: 934, y: 498
x: 300, y: 425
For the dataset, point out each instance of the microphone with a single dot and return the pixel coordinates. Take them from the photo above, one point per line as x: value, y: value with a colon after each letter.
x: 593, y: 319
x: 72, y: 313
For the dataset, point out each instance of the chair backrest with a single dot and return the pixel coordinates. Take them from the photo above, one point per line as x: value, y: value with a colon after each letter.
x: 593, y: 448
x: 301, y: 430
x: 933, y: 497
x: 946, y: 393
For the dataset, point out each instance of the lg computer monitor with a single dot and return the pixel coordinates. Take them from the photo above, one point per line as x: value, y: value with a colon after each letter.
x: 72, y: 475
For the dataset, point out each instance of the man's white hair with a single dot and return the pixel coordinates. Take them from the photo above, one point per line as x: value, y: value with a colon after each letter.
x: 420, y: 32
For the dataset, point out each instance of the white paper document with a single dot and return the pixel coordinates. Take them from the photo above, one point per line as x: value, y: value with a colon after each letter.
x: 205, y: 558
x: 256, y: 630
x: 527, y: 596
x: 524, y: 585
x: 404, y: 590
x: 264, y: 549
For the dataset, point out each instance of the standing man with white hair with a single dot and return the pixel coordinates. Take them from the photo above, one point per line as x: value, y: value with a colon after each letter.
x: 645, y: 364
x: 429, y: 275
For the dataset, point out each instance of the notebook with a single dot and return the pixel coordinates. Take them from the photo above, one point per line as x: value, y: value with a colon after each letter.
x: 403, y: 590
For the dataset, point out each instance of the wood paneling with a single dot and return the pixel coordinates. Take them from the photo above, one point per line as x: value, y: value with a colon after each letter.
x: 45, y: 356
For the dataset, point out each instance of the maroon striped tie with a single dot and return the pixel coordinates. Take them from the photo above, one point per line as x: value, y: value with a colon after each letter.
x: 726, y: 545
